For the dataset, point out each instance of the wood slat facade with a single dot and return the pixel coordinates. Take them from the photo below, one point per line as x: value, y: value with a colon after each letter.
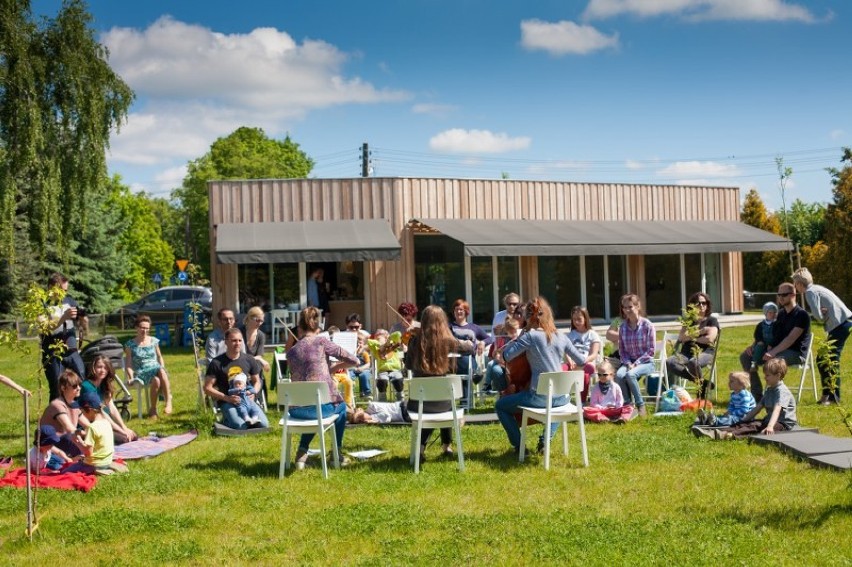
x: 400, y: 199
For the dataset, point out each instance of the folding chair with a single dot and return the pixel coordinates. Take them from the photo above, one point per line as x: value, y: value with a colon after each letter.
x: 467, y: 378
x: 305, y: 394
x: 808, y: 366
x: 661, y: 350
x: 550, y: 384
x: 435, y: 389
x: 279, y: 358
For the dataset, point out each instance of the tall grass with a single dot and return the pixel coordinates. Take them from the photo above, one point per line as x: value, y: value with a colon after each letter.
x: 653, y: 494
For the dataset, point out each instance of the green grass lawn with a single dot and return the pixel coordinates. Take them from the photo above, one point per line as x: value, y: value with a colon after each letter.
x: 654, y: 494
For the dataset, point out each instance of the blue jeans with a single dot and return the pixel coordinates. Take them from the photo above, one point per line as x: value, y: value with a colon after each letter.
x: 495, y: 376
x: 231, y: 417
x: 628, y: 381
x: 363, y: 381
x: 507, y: 407
x: 310, y: 412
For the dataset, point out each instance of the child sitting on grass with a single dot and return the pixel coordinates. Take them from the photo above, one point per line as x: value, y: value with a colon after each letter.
x: 606, y: 402
x: 778, y: 401
x: 741, y: 403
x: 45, y: 453
x: 98, y: 446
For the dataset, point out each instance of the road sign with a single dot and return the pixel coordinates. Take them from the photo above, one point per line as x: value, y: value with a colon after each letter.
x: 158, y: 278
x: 181, y: 265
x: 183, y: 276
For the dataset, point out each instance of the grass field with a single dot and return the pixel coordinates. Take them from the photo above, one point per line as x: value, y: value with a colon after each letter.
x: 654, y: 494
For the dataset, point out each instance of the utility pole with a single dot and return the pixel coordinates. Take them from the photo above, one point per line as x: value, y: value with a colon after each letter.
x: 365, y: 160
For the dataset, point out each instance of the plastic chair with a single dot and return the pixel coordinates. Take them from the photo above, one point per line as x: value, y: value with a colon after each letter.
x: 550, y: 384
x: 661, y: 354
x: 435, y: 389
x: 305, y: 394
x: 808, y: 366
x: 283, y: 377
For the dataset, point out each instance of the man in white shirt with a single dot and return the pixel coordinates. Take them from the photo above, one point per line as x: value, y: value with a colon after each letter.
x: 512, y: 301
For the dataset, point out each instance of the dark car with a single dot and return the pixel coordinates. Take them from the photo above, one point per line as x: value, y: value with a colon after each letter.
x: 166, y: 305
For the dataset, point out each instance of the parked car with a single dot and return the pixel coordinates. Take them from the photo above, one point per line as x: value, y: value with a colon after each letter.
x: 749, y: 299
x: 166, y: 305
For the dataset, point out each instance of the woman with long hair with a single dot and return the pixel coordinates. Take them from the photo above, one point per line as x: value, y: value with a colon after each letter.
x: 546, y: 348
x: 308, y: 360
x: 588, y: 342
x: 429, y: 355
x: 101, y: 381
x: 636, y: 342
x: 144, y: 362
x: 255, y: 341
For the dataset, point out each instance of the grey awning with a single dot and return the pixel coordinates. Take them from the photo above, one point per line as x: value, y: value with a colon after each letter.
x: 308, y: 241
x: 592, y: 238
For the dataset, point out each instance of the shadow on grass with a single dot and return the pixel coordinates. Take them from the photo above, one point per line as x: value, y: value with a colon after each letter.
x: 795, y: 518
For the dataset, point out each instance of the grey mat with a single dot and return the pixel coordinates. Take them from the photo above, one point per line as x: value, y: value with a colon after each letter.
x: 222, y: 431
x: 840, y: 461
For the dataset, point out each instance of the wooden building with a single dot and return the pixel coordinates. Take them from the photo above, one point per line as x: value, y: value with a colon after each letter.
x: 388, y: 240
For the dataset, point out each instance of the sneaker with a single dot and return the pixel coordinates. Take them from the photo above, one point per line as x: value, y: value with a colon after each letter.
x: 701, y: 415
x: 301, y: 460
x: 642, y: 411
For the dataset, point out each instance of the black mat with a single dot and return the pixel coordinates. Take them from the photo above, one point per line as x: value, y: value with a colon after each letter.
x: 839, y: 461
x: 222, y: 431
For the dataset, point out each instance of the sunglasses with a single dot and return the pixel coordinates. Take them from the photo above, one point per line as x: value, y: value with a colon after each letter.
x: 702, y: 303
x: 515, y: 304
x: 602, y: 374
x: 258, y: 319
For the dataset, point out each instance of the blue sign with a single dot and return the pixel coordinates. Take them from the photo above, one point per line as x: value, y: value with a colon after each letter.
x: 182, y: 276
x: 158, y: 278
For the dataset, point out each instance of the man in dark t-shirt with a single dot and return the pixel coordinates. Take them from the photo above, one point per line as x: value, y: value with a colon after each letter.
x: 221, y: 369
x: 792, y: 337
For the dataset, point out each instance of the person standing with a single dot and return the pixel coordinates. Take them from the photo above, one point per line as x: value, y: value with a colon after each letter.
x: 59, y: 345
x: 829, y: 309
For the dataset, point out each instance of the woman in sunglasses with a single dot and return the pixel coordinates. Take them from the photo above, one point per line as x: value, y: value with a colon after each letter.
x: 255, y: 341
x: 698, y: 352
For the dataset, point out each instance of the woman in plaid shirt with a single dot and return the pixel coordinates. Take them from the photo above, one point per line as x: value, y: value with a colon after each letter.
x: 636, y: 341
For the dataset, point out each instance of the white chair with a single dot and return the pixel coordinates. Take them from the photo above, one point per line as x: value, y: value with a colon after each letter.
x: 435, y: 389
x: 552, y: 384
x: 661, y: 353
x: 468, y: 402
x: 808, y: 366
x: 280, y: 358
x: 305, y: 394
x: 281, y: 320
x: 140, y: 390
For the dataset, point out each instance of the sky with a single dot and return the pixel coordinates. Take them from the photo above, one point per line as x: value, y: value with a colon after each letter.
x: 687, y: 92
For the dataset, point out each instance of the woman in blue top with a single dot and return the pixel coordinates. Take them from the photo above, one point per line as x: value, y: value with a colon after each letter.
x: 545, y: 348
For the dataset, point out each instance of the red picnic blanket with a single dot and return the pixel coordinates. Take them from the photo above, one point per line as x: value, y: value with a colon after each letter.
x: 17, y: 478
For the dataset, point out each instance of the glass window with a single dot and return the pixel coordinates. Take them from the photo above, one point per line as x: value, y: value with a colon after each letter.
x: 286, y: 285
x: 692, y: 273
x: 482, y: 289
x: 253, y: 284
x: 508, y: 278
x: 617, y: 273
x: 595, y: 287
x: 559, y: 283
x: 662, y: 284
x: 712, y: 279
x: 438, y: 270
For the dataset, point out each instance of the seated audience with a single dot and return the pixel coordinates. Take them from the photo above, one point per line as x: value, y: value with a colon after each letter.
x: 495, y: 371
x: 790, y: 338
x: 45, y: 454
x: 741, y: 403
x: 144, y: 362
x: 696, y: 352
x: 637, y: 340
x: 778, y: 401
x: 606, y: 402
x: 97, y: 446
x: 101, y: 381
x: 247, y: 409
x: 219, y: 373
x: 764, y: 333
x: 587, y: 342
x: 63, y: 413
x: 466, y: 331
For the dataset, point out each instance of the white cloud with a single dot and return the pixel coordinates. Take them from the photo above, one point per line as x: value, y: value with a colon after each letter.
x: 564, y: 37
x: 699, y: 172
x: 458, y: 140
x: 195, y: 85
x: 633, y: 165
x: 440, y: 110
x: 837, y: 134
x: 753, y: 10
x: 170, y: 178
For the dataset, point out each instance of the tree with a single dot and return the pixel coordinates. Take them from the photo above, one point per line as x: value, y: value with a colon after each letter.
x: 762, y: 270
x: 247, y: 153
x: 59, y: 102
x: 838, y: 229
x: 805, y: 221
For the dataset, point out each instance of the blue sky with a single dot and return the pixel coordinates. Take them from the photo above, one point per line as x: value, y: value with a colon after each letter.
x: 641, y: 91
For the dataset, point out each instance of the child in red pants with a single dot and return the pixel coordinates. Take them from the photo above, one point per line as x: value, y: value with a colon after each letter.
x: 606, y: 402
